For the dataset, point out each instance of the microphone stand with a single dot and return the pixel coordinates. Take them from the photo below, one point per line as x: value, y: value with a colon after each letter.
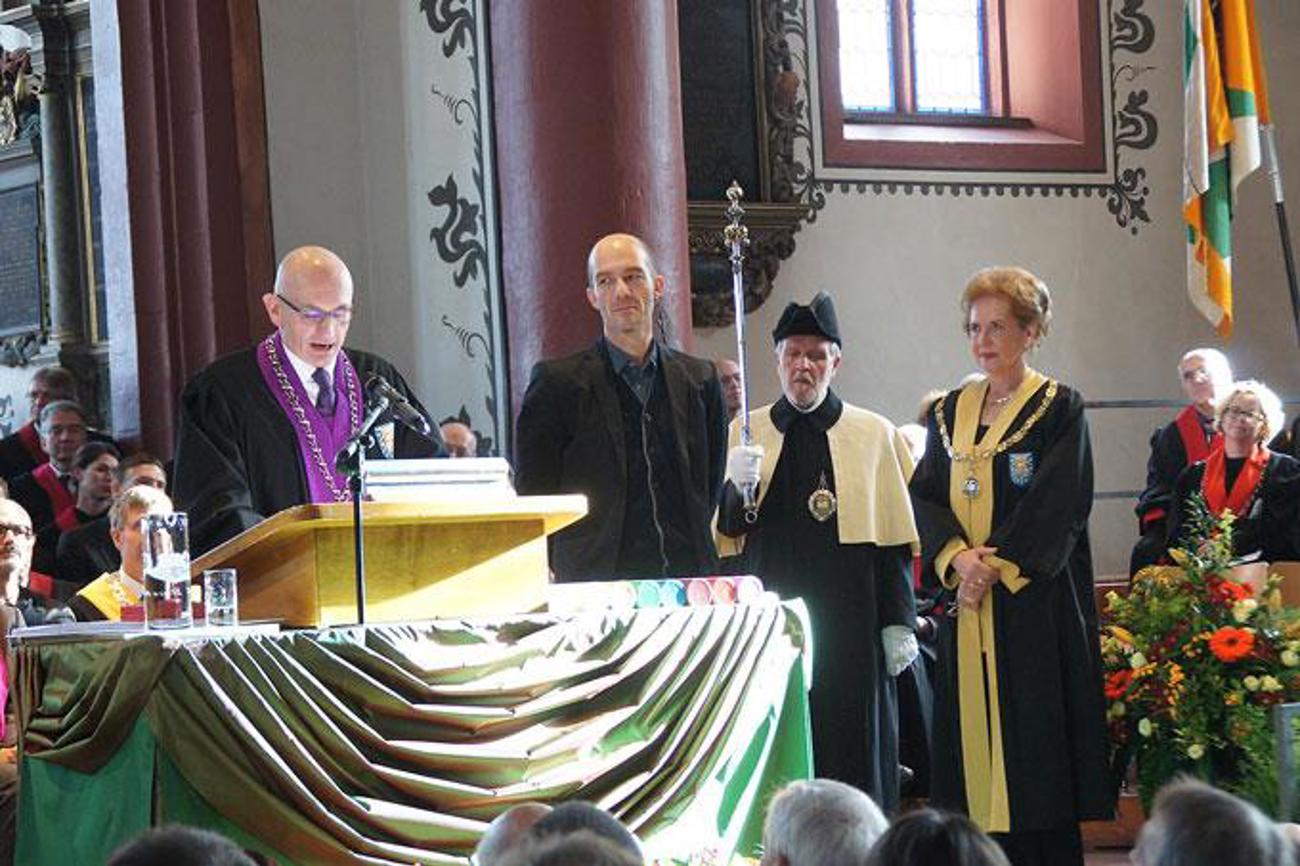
x: 351, y: 461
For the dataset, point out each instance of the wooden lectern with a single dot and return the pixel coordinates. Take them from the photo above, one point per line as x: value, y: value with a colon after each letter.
x: 477, y: 555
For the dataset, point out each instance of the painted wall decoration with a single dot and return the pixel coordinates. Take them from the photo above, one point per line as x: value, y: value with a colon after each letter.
x: 463, y: 219
x: 1133, y: 130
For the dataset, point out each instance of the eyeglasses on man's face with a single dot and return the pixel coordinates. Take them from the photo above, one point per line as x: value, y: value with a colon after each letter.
x: 314, y: 315
x: 17, y: 529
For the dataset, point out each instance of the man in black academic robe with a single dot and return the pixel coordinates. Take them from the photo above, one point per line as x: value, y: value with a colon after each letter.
x: 21, y: 451
x: 635, y: 426
x: 833, y: 527
x: 249, y: 435
x: 1190, y: 437
x: 51, y: 488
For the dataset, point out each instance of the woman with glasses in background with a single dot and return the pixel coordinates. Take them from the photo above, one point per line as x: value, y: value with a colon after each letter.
x: 1260, y: 487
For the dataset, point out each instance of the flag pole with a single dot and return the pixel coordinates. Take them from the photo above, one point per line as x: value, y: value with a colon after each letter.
x: 1274, y: 170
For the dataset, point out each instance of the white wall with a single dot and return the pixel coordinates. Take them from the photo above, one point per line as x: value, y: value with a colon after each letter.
x: 896, y: 265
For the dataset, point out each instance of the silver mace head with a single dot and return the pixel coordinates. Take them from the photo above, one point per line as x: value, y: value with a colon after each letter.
x: 735, y: 234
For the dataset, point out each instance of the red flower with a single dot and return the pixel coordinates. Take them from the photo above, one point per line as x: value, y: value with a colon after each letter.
x: 1117, y: 684
x: 1227, y: 592
x: 1230, y: 644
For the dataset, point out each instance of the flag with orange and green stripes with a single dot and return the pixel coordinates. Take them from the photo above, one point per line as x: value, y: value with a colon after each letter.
x: 1225, y: 101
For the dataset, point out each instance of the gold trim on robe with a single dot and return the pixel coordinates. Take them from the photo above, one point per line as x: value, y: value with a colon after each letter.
x: 102, y: 593
x: 977, y: 669
x: 871, y: 463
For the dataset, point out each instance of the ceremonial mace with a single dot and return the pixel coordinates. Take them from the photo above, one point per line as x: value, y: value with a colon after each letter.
x: 737, y: 237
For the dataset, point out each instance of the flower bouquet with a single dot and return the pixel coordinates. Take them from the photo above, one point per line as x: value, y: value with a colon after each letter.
x: 1193, y: 662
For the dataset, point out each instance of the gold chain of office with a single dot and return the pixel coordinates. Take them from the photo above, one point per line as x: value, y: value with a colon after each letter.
x: 974, y: 457
x: 300, y: 416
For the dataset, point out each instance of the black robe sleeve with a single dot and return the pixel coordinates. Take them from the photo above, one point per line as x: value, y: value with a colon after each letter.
x: 1041, y: 532
x: 1280, y: 523
x: 1168, y: 459
x: 935, y: 522
x: 541, y: 435
x: 715, y: 406
x: 85, y: 553
x: 1189, y: 482
x: 211, y: 473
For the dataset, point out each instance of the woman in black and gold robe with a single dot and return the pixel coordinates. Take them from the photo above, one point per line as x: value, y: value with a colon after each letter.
x: 1002, y: 498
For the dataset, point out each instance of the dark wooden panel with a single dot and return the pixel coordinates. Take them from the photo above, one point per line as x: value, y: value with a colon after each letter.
x: 719, y: 105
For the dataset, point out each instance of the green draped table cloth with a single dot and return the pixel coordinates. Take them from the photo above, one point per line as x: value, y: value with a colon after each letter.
x: 396, y: 744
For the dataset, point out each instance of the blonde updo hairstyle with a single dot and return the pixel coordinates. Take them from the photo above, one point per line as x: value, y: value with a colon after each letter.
x: 1269, y: 404
x: 1031, y: 302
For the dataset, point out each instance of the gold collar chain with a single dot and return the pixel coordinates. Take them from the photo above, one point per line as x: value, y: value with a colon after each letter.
x: 300, y: 416
x: 974, y: 456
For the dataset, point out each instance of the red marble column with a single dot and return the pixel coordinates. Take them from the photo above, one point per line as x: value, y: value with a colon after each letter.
x: 186, y: 213
x: 588, y: 141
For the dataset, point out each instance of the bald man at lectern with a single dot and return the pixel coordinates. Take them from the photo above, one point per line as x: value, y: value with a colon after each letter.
x: 258, y: 430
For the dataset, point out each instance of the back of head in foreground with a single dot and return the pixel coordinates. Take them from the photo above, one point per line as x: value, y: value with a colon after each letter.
x: 508, y: 832
x: 176, y: 845
x: 579, y: 848
x: 575, y: 815
x: 817, y: 822
x: 928, y: 837
x: 1193, y: 824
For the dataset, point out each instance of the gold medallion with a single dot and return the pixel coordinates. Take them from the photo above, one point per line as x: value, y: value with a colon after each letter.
x: 822, y: 503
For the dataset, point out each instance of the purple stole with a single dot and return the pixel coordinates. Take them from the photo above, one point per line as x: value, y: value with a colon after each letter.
x: 319, y: 438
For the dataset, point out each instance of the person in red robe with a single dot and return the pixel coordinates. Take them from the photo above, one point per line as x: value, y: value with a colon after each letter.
x: 1191, y: 436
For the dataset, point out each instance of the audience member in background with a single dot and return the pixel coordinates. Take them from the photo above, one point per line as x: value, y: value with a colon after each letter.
x: 822, y: 821
x: 51, y: 487
x: 1190, y: 437
x: 928, y: 837
x: 93, y: 469
x: 88, y: 551
x: 180, y: 846
x: 575, y: 815
x: 1193, y: 824
x: 104, y: 597
x: 508, y: 832
x: 580, y: 848
x: 36, y: 592
x: 22, y: 451
x: 1244, y: 477
x: 729, y: 376
x: 459, y: 439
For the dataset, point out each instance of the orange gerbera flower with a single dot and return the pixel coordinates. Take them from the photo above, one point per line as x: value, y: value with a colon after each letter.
x: 1226, y: 592
x: 1230, y: 644
x: 1117, y: 683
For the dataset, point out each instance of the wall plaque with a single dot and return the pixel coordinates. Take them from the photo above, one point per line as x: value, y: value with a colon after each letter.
x: 20, y: 261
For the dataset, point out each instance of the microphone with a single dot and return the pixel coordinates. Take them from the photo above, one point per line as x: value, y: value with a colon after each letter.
x: 377, y: 386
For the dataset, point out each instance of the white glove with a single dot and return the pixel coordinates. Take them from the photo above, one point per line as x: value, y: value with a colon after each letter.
x: 899, y: 644
x: 744, y: 464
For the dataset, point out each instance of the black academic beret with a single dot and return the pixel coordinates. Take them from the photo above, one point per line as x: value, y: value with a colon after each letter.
x: 816, y: 319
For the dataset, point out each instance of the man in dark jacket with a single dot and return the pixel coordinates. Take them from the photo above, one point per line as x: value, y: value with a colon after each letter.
x: 637, y: 427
